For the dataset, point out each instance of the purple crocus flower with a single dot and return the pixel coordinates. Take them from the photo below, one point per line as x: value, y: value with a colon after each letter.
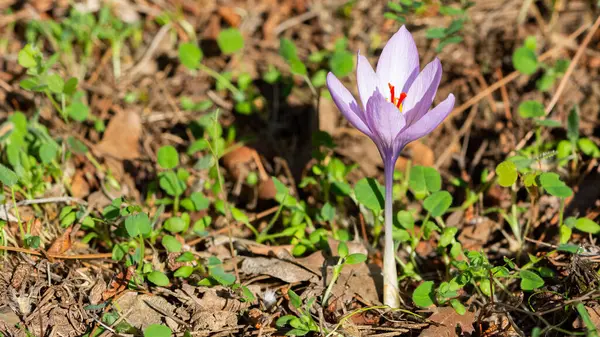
x: 395, y: 111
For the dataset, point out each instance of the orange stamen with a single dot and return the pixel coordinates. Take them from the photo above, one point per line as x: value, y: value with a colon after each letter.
x: 396, y: 101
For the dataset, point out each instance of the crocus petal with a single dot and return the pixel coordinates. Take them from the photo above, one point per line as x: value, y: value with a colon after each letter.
x: 427, y: 123
x: 422, y: 91
x: 384, y: 120
x: 347, y: 104
x: 398, y: 64
x: 366, y: 78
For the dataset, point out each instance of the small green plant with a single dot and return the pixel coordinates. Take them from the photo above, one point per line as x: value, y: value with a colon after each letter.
x: 526, y: 61
x: 344, y: 259
x: 172, y: 181
x: 116, y: 32
x: 304, y: 323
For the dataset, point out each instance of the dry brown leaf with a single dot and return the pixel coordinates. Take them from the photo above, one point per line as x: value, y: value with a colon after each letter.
x: 118, y: 284
x: 419, y: 153
x: 142, y: 309
x: 62, y: 243
x: 79, y: 186
x: 230, y: 16
x: 476, y: 236
x: 283, y: 270
x: 236, y: 161
x: 122, y: 136
x: 448, y: 320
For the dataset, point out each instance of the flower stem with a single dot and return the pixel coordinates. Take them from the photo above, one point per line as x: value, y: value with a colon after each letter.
x: 391, y: 294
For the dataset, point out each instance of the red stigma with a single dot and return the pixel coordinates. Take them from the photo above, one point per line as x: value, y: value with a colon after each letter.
x: 396, y: 101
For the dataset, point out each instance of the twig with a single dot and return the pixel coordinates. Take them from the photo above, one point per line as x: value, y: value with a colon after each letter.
x: 150, y: 51
x: 289, y: 23
x: 505, y: 100
x: 51, y: 200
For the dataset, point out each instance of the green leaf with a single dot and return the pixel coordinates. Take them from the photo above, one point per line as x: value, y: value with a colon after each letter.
x: 171, y: 244
x: 70, y: 86
x: 370, y: 193
x: 297, y: 67
x: 406, y: 219
x: 587, y: 225
x: 78, y: 111
x: 7, y: 176
x: 47, y: 152
x: 447, y: 236
x: 158, y: 278
x: 455, y: 26
x: 175, y: 225
x: 55, y: 83
x: 27, y: 57
x: 553, y: 185
x: 573, y: 125
x: 507, y: 173
x: 287, y: 49
x: 588, y: 147
x: 458, y: 307
x: 184, y: 271
x: 530, y: 280
x: 327, y: 212
x: 186, y: 257
x: 435, y: 33
x: 530, y: 43
x: 76, y: 145
x: 230, y: 41
x: 549, y: 123
x: 545, y: 82
x: 169, y: 182
x: 221, y: 276
x: 525, y: 60
x: 138, y: 224
x: 531, y: 109
x: 561, y: 66
x: 199, y: 201
x: 341, y: 63
x: 157, y: 330
x: 342, y: 249
x: 355, y: 258
x: 447, y: 41
x: 168, y: 158
x: 590, y: 325
x: 424, y: 179
x: 437, y: 203
x: 424, y: 295
x: 190, y: 55
x: 294, y: 299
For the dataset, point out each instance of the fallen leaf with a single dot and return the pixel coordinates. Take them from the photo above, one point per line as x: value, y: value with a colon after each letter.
x: 236, y: 161
x: 122, y: 136
x: 230, y: 16
x: 144, y: 309
x: 62, y: 243
x: 448, y: 319
x: 79, y: 186
x: 214, y: 320
x: 283, y: 270
x: 118, y: 284
x: 419, y: 154
x: 476, y: 236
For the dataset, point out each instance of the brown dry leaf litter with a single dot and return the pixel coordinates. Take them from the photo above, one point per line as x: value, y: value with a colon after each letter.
x: 449, y: 322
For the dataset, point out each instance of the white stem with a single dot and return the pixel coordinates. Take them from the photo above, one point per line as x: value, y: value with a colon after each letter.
x: 391, y: 293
